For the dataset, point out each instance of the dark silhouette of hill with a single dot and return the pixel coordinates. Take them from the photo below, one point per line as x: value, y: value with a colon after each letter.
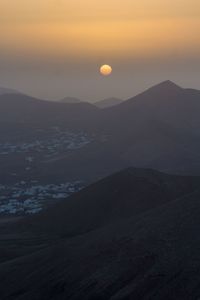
x: 105, y: 103
x: 165, y: 102
x: 112, y: 199
x: 109, y: 102
x: 133, y: 235
x: 158, y: 129
x: 70, y: 100
x: 24, y: 109
x: 4, y: 91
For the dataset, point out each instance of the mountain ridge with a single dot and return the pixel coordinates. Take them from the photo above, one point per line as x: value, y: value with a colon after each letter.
x: 108, y: 102
x: 4, y: 91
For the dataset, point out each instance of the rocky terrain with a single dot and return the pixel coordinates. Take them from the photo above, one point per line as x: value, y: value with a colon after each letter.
x: 133, y: 235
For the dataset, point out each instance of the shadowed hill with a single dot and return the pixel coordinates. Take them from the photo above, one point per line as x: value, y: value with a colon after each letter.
x: 159, y: 128
x: 164, y: 102
x: 24, y: 109
x: 141, y: 241
x: 117, y: 197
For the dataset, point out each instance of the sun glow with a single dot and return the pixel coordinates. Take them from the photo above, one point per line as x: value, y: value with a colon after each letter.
x: 106, y: 70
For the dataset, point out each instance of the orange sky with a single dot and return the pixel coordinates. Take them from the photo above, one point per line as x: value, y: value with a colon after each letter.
x: 95, y: 32
x: 85, y: 28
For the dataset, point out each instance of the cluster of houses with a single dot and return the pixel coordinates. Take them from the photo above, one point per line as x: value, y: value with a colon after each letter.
x: 22, y: 198
x: 32, y: 197
x: 58, y: 141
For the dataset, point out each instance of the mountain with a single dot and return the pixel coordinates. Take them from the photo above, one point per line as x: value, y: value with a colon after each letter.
x: 158, y: 128
x: 46, y: 131
x: 133, y: 235
x: 164, y: 102
x: 117, y: 197
x: 4, y: 91
x: 70, y: 100
x: 109, y: 102
x: 25, y: 109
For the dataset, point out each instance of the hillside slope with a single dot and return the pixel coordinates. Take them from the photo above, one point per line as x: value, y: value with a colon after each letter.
x: 142, y: 243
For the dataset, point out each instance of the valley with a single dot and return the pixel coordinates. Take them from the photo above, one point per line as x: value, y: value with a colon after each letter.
x: 29, y: 196
x: 101, y: 203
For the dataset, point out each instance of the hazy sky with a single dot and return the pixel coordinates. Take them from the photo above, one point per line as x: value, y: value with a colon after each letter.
x: 54, y: 48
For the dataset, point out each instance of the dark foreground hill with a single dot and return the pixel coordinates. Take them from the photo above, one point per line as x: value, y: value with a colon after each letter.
x: 134, y: 235
x: 125, y: 194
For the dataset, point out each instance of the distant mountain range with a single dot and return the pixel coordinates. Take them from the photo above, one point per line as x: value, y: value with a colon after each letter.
x: 158, y: 129
x: 70, y: 100
x: 133, y: 235
x: 109, y: 102
x: 25, y: 109
x: 4, y: 91
x: 105, y: 103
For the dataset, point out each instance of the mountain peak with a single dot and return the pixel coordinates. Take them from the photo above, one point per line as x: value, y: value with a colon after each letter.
x: 166, y: 85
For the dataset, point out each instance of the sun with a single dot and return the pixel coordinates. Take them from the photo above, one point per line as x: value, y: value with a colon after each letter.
x: 105, y: 70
